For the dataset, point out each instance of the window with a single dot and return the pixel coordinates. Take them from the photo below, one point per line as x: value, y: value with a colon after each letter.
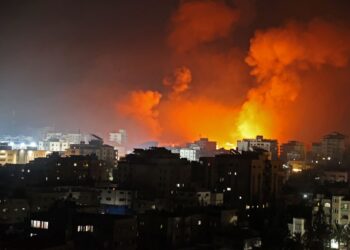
x: 85, y: 228
x: 39, y: 224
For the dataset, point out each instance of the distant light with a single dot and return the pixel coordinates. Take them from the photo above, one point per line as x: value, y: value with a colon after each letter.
x: 199, y: 222
x: 228, y: 189
x: 329, y: 158
x: 334, y: 244
x: 240, y: 197
x: 304, y: 196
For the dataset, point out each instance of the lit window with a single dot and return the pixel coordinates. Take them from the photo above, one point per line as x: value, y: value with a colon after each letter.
x: 39, y: 224
x: 85, y: 228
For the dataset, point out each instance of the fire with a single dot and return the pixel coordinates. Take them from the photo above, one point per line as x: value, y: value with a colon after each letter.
x: 210, y: 98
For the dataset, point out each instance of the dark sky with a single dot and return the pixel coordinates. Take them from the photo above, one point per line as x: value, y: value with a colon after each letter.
x: 64, y: 63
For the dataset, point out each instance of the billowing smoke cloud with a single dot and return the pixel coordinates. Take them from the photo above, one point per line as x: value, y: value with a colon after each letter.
x: 215, y: 96
x: 142, y: 106
x: 278, y: 56
x: 198, y: 22
x: 196, y: 94
x: 179, y: 81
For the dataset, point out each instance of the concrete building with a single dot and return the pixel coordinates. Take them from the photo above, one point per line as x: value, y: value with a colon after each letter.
x: 53, y: 145
x: 247, y: 178
x: 200, y: 148
x: 292, y: 151
x: 20, y: 156
x: 155, y: 172
x: 336, y: 209
x: 60, y: 142
x: 116, y: 197
x: 297, y: 227
x: 330, y: 149
x: 191, y: 154
x: 95, y: 147
x: 56, y: 170
x: 261, y: 143
x: 119, y: 141
x: 13, y: 211
x: 333, y: 146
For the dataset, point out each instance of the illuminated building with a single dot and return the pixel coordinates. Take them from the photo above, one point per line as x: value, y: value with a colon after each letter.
x: 297, y: 227
x: 265, y: 144
x: 336, y: 209
x: 20, y: 156
x: 191, y: 154
x: 119, y: 141
x: 96, y: 147
x: 200, y: 148
x: 53, y: 145
x: 59, y: 142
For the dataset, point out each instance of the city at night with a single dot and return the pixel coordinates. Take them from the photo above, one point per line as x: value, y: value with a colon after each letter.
x: 174, y: 124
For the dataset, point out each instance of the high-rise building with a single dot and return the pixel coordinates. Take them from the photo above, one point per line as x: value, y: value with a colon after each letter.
x: 154, y: 171
x: 292, y: 151
x: 269, y: 145
x: 119, y: 141
x: 333, y: 146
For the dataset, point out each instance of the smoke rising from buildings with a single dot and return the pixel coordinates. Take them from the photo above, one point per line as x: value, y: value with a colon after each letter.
x: 277, y: 57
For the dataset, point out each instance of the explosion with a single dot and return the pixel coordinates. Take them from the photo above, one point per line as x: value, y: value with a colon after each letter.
x: 278, y: 56
x: 211, y: 96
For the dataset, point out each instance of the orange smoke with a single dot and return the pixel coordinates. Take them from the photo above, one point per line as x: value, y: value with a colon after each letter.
x: 213, y: 96
x: 278, y: 56
x: 179, y: 81
x: 198, y: 22
x: 142, y: 106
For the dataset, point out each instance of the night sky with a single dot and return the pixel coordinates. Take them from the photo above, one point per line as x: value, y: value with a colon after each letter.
x: 68, y: 64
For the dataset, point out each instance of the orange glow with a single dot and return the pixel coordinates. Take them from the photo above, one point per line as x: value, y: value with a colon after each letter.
x: 209, y: 98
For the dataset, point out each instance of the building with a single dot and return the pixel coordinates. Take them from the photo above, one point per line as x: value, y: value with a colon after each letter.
x: 336, y: 209
x: 60, y: 142
x: 95, y: 147
x: 13, y: 211
x: 20, y: 156
x: 191, y: 154
x: 116, y: 197
x: 261, y: 143
x: 297, y: 227
x: 245, y: 179
x: 56, y: 170
x: 154, y: 171
x: 53, y: 145
x: 119, y: 141
x: 331, y: 149
x: 292, y: 151
x: 200, y: 148
x: 333, y: 146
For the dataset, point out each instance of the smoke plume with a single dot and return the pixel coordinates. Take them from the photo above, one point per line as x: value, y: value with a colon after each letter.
x: 197, y: 22
x: 278, y: 56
